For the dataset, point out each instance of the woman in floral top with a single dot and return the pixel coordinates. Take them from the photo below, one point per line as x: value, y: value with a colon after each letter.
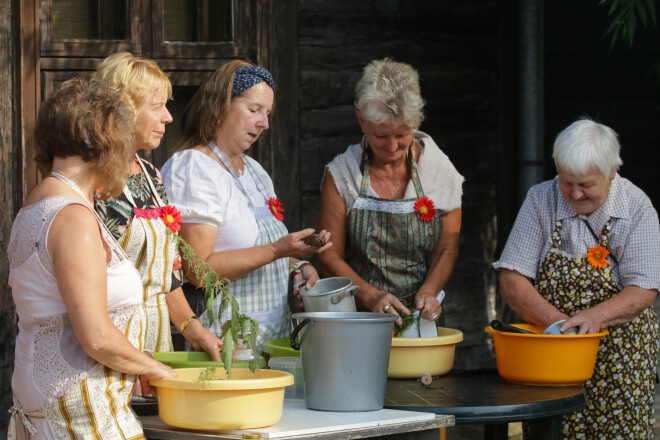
x: 135, y: 216
x: 585, y: 248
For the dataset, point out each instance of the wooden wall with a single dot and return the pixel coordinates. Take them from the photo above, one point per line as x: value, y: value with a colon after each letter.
x: 455, y: 48
x: 8, y: 201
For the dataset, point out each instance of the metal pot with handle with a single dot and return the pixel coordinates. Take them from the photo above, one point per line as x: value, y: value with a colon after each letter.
x: 335, y: 294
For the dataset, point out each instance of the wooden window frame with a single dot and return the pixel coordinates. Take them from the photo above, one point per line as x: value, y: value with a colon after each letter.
x: 239, y: 47
x: 88, y: 48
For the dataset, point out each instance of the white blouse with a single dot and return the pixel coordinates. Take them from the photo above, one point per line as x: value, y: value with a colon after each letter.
x: 206, y: 193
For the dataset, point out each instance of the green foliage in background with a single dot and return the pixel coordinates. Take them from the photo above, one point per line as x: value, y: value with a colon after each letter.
x: 626, y: 15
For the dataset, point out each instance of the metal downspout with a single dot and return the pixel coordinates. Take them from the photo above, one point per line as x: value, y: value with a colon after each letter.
x: 530, y: 95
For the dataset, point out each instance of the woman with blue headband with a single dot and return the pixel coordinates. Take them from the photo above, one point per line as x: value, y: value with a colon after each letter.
x: 232, y: 217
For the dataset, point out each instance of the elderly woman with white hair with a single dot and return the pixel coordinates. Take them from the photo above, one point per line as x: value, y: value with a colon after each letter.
x: 585, y: 248
x: 393, y: 201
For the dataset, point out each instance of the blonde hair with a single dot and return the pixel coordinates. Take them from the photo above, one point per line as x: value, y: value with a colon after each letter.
x: 87, y: 119
x: 133, y: 77
x: 208, y: 107
x: 389, y: 92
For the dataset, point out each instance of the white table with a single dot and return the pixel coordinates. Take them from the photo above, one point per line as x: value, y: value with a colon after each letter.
x: 299, y: 422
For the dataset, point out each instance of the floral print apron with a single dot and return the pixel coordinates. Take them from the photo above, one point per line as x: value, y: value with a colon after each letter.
x: 389, y: 246
x: 153, y: 253
x: 262, y: 293
x: 620, y: 393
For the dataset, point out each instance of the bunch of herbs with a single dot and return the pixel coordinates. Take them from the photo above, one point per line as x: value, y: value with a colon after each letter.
x: 240, y: 328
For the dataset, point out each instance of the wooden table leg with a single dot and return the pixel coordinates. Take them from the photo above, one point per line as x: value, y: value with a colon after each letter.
x: 499, y: 431
x: 548, y: 428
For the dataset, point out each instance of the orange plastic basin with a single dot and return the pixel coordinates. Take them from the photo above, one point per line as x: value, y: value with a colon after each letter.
x: 550, y: 360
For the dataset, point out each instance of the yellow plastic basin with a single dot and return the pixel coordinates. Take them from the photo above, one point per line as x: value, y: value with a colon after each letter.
x: 550, y: 360
x: 248, y: 400
x: 412, y: 357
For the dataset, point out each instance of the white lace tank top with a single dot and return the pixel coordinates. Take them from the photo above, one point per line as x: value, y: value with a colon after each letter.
x: 48, y: 357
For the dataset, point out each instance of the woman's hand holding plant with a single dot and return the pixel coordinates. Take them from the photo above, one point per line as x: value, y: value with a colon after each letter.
x: 203, y: 340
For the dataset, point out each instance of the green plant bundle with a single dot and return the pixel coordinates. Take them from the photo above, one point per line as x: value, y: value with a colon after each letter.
x: 240, y: 328
x: 406, y: 321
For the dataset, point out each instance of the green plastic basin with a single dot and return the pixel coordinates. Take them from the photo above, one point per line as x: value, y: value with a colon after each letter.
x: 279, y: 347
x: 196, y: 359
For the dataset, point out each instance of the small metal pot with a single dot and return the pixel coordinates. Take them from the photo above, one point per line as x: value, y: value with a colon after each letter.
x: 334, y: 294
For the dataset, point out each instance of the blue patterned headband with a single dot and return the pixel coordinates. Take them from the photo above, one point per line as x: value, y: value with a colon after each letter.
x: 248, y: 76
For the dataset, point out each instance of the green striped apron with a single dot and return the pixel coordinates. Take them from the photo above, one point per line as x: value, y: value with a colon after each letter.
x: 389, y: 246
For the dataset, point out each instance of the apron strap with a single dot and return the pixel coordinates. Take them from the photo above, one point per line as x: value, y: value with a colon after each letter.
x: 17, y: 412
x: 261, y: 187
x: 556, y: 235
x: 154, y: 193
x: 412, y: 166
x: 605, y: 234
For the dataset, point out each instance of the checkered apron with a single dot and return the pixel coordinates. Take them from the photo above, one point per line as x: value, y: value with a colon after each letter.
x: 261, y: 294
x: 621, y: 391
x: 389, y: 246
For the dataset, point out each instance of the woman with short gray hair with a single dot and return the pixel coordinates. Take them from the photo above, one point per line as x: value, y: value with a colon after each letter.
x: 584, y: 249
x: 393, y: 200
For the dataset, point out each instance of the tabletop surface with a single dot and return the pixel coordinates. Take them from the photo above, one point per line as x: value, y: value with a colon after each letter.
x: 483, y: 397
x: 299, y: 422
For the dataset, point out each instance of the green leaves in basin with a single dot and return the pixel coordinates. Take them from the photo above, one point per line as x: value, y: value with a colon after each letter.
x: 406, y: 321
x: 240, y: 329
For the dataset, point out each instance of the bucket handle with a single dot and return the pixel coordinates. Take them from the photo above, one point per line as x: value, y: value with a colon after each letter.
x: 292, y: 339
x: 338, y: 297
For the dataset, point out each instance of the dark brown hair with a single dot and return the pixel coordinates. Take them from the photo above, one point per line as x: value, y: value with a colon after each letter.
x: 87, y: 119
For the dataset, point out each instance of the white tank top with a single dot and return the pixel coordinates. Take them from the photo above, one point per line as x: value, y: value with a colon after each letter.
x: 48, y: 357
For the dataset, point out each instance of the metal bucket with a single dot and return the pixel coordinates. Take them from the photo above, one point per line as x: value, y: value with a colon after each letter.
x: 334, y: 294
x: 345, y: 358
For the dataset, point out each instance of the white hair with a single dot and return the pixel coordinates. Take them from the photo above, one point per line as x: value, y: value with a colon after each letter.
x: 585, y: 144
x: 389, y: 92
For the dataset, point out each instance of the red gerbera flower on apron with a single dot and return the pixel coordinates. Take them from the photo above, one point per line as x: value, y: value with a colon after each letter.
x: 171, y: 217
x: 425, y: 208
x: 276, y: 207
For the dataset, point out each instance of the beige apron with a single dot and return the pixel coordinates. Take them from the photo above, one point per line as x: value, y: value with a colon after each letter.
x: 153, y: 252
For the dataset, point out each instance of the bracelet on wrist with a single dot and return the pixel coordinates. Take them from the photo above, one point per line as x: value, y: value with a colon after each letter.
x: 185, y: 323
x: 297, y: 267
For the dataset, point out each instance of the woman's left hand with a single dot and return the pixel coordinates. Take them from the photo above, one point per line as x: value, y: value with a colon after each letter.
x: 203, y: 340
x: 308, y: 273
x: 430, y: 307
x: 589, y: 321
